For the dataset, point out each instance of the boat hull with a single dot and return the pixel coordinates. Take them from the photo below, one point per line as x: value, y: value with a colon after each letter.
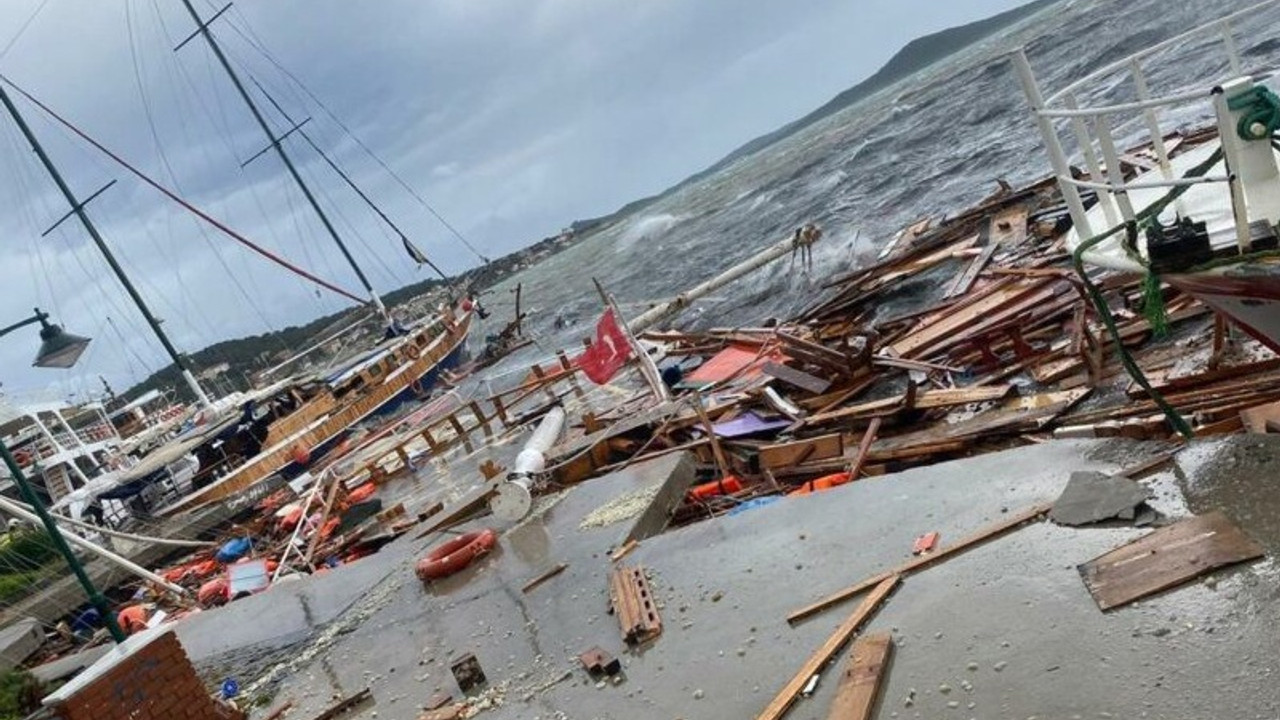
x: 323, y: 435
x: 1247, y: 293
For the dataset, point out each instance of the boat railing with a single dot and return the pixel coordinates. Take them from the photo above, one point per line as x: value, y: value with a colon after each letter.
x: 1092, y: 130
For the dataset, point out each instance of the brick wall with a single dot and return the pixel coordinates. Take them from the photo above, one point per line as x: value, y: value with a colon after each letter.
x: 148, y: 678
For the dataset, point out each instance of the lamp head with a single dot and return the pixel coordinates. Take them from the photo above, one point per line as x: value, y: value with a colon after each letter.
x: 58, y: 348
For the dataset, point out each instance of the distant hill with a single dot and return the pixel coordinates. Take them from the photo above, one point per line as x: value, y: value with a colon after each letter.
x: 915, y: 56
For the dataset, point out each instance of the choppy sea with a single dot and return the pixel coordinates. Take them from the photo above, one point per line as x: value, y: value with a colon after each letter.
x: 930, y: 145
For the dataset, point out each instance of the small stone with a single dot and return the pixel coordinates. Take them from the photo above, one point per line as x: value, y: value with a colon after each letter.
x: 1000, y: 666
x: 944, y: 689
x: 972, y: 666
x: 600, y: 685
x: 953, y: 704
x: 715, y: 596
x: 698, y: 694
x: 741, y: 652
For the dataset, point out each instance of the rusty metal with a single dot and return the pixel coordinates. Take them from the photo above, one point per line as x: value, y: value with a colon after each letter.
x: 598, y: 662
x: 467, y: 671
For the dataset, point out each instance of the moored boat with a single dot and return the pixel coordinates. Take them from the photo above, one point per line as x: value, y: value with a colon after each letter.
x: 1198, y: 211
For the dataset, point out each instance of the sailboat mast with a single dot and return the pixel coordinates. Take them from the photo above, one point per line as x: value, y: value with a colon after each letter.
x: 278, y: 145
x: 77, y: 209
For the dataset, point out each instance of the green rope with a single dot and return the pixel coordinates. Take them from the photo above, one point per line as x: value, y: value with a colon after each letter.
x: 1153, y: 308
x: 1143, y: 220
x: 1261, y: 107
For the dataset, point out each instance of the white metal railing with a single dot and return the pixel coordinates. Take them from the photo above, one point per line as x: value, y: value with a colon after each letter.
x: 1105, y: 172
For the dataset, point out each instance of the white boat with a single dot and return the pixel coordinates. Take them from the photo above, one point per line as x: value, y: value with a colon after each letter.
x: 1204, y: 219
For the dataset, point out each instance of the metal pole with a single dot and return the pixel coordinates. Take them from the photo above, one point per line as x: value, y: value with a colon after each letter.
x: 684, y: 299
x: 60, y: 544
x: 284, y: 157
x: 77, y: 208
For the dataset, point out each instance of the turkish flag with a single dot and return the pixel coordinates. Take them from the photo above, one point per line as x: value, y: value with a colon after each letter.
x: 608, y: 353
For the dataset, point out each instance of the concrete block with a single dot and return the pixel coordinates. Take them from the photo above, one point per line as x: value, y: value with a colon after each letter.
x: 18, y: 641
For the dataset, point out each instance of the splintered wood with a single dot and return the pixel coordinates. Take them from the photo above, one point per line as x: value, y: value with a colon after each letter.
x: 1166, y: 558
x: 860, y: 683
x: 634, y: 605
x: 838, y: 639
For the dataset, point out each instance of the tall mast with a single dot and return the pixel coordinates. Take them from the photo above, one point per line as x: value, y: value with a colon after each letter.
x: 278, y: 145
x: 77, y: 209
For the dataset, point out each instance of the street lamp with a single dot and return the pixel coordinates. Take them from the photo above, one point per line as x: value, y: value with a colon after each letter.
x: 58, y: 349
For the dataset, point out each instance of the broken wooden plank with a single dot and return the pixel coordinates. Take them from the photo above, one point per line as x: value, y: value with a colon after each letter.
x: 787, y: 454
x: 1256, y: 418
x: 991, y: 531
x: 344, y: 705
x: 800, y: 379
x: 529, y: 586
x: 1166, y: 558
x: 1019, y: 414
x: 964, y: 282
x: 862, y: 679
x: 783, y: 700
x: 623, y: 551
x: 925, y: 400
x: 864, y: 448
x: 1009, y: 226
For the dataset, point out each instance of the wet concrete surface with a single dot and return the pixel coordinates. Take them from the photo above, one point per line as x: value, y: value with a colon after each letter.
x: 1006, y: 630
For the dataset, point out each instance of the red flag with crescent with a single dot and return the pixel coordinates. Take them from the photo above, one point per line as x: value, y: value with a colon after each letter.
x: 608, y: 353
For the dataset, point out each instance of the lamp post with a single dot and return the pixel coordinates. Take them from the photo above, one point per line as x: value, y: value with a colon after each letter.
x: 58, y: 349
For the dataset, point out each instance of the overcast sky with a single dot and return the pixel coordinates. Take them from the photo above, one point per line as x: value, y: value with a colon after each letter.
x: 511, y: 117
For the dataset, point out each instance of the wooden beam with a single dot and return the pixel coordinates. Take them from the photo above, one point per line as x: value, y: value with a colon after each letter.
x: 783, y: 700
x: 864, y: 448
x: 991, y: 531
x: 529, y: 586
x: 788, y: 454
x: 721, y: 463
x: 791, y: 376
x: 862, y: 678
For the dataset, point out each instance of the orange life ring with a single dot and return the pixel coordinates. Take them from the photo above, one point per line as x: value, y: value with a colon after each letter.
x: 412, y: 350
x: 456, y: 554
x: 22, y: 457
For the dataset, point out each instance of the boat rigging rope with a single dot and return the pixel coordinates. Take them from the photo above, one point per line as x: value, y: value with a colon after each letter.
x: 1141, y: 221
x: 178, y: 199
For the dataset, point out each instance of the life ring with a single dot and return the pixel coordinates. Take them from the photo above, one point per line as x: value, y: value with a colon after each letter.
x: 412, y: 350
x: 456, y: 554
x: 22, y: 457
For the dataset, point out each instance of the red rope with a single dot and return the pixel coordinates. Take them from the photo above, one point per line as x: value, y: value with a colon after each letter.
x: 178, y: 199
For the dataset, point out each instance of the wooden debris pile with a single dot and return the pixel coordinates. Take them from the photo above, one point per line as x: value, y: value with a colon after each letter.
x: 965, y: 336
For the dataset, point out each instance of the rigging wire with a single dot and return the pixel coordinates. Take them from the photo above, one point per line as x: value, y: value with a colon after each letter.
x: 346, y: 178
x: 160, y: 248
x: 177, y: 198
x: 251, y: 38
x: 173, y: 177
x: 23, y: 29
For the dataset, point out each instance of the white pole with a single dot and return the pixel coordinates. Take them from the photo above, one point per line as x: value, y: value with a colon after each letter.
x: 514, y: 498
x: 130, y: 536
x: 12, y: 507
x: 1057, y: 157
x: 684, y: 299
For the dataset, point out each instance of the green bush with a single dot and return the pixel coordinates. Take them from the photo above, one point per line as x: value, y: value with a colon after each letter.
x: 26, y: 549
x: 20, y: 694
